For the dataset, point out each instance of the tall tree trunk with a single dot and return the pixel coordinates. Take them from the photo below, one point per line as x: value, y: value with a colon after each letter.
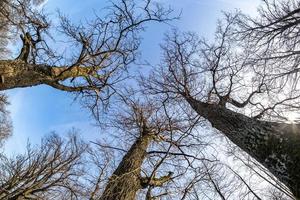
x: 275, y: 145
x: 126, y: 179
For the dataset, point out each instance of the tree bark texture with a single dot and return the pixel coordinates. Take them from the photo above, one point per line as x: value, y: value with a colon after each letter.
x: 126, y: 179
x: 275, y: 145
x: 18, y: 74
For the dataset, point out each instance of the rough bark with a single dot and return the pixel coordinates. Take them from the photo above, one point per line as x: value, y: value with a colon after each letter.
x: 18, y: 74
x: 275, y: 145
x: 126, y: 179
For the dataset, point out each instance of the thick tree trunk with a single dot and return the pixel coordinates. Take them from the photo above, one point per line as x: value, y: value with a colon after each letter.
x: 275, y: 145
x: 126, y: 180
x: 18, y: 74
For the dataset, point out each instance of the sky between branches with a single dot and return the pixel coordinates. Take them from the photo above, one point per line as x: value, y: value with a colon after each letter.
x: 39, y: 110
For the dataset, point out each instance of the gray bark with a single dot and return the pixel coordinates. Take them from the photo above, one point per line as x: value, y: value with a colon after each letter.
x: 275, y: 145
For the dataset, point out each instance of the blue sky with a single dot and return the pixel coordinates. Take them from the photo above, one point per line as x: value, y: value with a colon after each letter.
x: 37, y: 111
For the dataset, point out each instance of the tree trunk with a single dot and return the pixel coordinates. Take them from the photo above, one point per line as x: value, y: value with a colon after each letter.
x: 126, y: 179
x: 275, y: 145
x: 18, y: 74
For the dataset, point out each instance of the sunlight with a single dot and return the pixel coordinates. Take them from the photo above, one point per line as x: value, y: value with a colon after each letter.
x: 293, y: 117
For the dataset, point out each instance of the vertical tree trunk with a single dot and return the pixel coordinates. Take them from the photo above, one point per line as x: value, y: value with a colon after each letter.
x: 275, y: 145
x: 126, y: 179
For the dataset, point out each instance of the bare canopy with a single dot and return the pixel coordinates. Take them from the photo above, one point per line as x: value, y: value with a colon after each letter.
x: 245, y: 83
x: 104, y: 46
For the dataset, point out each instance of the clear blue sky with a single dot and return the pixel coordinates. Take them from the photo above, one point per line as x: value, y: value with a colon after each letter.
x: 39, y: 110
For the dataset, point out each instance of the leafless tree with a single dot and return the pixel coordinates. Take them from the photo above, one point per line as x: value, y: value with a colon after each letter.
x: 50, y: 171
x: 236, y: 83
x: 101, y: 48
x: 5, y: 122
x: 4, y: 31
x: 168, y: 165
x: 156, y: 140
x: 244, y: 83
x: 157, y: 152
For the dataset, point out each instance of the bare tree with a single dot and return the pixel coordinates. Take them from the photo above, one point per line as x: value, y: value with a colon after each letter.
x: 243, y: 93
x: 127, y: 178
x: 5, y: 122
x: 161, y: 153
x: 3, y: 30
x: 157, y: 140
x: 52, y: 170
x: 102, y: 48
x: 210, y: 77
